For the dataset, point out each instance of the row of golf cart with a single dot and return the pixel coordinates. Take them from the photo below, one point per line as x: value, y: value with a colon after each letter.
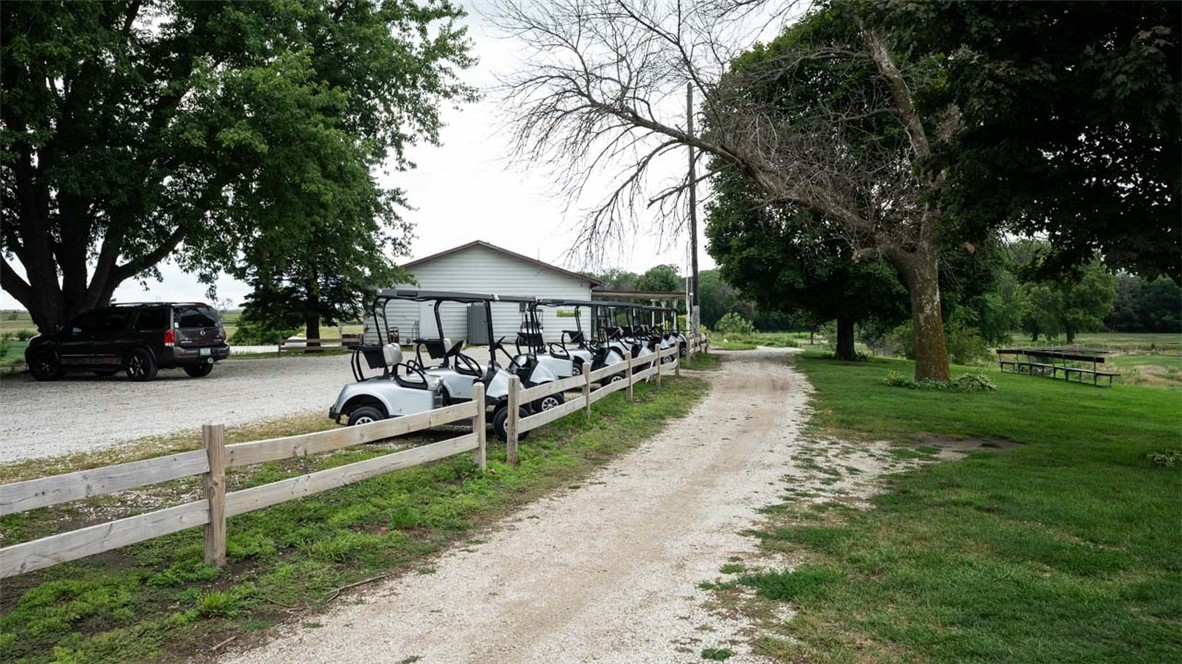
x: 440, y: 374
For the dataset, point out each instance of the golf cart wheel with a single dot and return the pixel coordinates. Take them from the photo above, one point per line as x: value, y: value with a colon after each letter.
x: 547, y: 402
x: 140, y: 365
x: 46, y: 366
x: 500, y: 420
x: 365, y: 415
x: 616, y: 378
x: 199, y: 370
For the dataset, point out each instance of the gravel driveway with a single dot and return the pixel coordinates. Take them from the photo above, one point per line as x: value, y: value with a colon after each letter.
x: 82, y: 412
x: 607, y: 572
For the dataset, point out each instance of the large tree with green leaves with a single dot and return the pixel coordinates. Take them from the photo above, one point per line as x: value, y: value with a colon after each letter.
x: 785, y: 259
x: 1066, y: 123
x: 136, y: 131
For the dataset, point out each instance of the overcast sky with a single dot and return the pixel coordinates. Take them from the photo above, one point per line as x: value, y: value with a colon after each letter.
x: 465, y: 190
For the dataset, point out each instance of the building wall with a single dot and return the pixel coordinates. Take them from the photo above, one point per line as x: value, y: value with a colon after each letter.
x: 482, y: 270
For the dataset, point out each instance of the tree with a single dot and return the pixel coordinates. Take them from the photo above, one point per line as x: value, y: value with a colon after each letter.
x: 799, y: 117
x: 132, y: 132
x: 717, y: 296
x: 1145, y: 306
x: 616, y: 279
x: 660, y: 278
x: 784, y: 259
x: 1067, y: 123
x: 1074, y: 302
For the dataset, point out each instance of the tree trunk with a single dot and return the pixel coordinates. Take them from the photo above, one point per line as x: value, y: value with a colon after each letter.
x: 920, y: 272
x: 312, y: 313
x: 1070, y: 332
x: 845, y: 339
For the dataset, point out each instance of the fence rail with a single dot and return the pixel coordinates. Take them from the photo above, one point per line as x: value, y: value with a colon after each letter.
x: 212, y: 461
x: 316, y: 344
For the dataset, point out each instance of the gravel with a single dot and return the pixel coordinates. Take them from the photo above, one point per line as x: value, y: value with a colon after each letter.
x: 82, y: 413
x: 604, y: 572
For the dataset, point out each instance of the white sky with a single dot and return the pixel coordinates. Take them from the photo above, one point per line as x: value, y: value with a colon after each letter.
x: 465, y: 190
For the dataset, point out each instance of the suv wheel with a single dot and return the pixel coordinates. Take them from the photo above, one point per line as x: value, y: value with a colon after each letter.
x: 46, y: 366
x: 139, y: 365
x: 199, y: 370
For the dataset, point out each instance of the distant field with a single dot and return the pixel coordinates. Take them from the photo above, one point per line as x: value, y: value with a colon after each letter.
x: 1150, y: 370
x: 1112, y: 340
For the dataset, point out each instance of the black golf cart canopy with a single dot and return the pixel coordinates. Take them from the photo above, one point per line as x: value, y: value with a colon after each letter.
x: 446, y: 296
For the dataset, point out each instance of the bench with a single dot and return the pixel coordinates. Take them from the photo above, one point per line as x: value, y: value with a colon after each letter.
x: 1049, y: 362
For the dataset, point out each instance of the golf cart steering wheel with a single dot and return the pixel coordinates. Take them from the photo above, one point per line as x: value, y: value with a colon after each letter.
x: 467, y: 365
x: 454, y: 351
x: 500, y: 345
x: 422, y: 377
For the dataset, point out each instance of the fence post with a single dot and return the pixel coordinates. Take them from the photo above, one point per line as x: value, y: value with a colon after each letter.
x: 628, y: 359
x: 480, y: 427
x: 511, y: 421
x: 659, y: 360
x: 677, y: 361
x: 587, y: 390
x: 213, y: 437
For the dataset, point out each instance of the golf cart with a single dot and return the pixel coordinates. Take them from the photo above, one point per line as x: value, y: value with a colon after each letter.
x: 577, y: 351
x: 413, y: 386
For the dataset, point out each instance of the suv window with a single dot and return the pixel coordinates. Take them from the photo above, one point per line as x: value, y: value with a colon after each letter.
x: 152, y: 319
x: 195, y: 317
x: 114, y: 321
x: 87, y: 322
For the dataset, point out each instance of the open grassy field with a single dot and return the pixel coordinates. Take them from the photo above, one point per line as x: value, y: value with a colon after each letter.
x: 1066, y: 547
x: 1123, y: 341
x: 157, y: 601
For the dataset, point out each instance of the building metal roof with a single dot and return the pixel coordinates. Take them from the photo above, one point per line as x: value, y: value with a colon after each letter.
x: 481, y: 243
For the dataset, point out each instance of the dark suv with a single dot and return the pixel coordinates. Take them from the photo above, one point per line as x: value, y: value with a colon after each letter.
x: 138, y: 338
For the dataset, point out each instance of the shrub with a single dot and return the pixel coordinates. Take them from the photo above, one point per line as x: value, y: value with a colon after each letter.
x: 1166, y: 459
x: 252, y: 333
x: 965, y: 344
x: 25, y: 335
x: 974, y: 382
x: 733, y: 323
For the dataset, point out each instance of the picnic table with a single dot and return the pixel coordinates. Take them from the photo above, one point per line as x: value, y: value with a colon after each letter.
x: 1050, y: 362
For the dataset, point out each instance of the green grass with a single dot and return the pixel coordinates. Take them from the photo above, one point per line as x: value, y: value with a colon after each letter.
x: 750, y: 341
x: 1064, y: 548
x: 157, y: 600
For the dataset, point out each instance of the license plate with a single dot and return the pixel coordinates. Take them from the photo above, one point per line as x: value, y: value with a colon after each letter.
x: 205, y: 351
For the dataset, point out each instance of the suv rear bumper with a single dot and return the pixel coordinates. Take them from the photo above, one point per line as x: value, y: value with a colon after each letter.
x: 179, y: 357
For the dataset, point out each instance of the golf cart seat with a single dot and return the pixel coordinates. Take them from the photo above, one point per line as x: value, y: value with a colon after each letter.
x: 393, y: 355
x: 574, y: 336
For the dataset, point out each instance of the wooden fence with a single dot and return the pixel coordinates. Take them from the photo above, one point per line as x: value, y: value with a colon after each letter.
x: 315, y: 345
x: 211, y: 462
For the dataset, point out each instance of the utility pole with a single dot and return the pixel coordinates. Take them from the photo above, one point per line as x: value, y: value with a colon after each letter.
x: 695, y: 302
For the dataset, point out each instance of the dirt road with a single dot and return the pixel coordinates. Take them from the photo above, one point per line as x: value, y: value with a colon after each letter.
x: 605, y: 572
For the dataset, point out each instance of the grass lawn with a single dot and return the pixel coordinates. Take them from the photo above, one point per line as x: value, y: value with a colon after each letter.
x: 1066, y: 547
x: 157, y: 601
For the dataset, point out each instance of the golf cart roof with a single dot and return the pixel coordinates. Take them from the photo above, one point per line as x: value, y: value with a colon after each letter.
x: 553, y: 302
x: 447, y: 296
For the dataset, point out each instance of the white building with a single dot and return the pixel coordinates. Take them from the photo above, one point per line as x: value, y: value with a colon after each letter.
x: 480, y: 267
